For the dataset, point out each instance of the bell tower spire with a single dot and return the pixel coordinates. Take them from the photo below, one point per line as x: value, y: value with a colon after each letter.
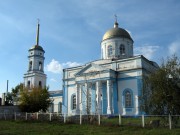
x: 37, y: 35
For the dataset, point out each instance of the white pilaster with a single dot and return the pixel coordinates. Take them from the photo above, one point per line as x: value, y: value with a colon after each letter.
x: 85, y: 94
x: 109, y: 111
x: 98, y: 96
x: 88, y: 94
x: 80, y: 98
x: 77, y: 98
x: 112, y: 97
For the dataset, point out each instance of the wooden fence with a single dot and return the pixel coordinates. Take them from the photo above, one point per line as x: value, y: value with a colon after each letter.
x: 151, y: 121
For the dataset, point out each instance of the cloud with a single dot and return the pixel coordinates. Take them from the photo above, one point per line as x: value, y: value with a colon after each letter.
x: 71, y: 64
x: 56, y: 67
x: 53, y: 80
x: 147, y: 50
x: 174, y: 48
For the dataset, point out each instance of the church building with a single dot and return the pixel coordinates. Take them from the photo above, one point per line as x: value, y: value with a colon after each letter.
x: 110, y: 85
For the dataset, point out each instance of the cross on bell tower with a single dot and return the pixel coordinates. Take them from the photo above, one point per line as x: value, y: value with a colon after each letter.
x: 35, y: 76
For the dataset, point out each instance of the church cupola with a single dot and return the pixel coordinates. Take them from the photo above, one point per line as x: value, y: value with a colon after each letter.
x: 116, y: 43
x: 35, y: 76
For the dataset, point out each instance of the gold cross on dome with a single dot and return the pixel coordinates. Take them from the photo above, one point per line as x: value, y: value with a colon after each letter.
x: 115, y: 16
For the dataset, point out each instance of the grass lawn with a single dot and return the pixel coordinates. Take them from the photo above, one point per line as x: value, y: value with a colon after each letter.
x: 55, y: 128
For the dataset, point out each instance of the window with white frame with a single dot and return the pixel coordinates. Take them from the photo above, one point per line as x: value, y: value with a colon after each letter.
x: 60, y: 107
x: 122, y: 49
x: 73, y: 102
x: 128, y: 99
x: 110, y: 50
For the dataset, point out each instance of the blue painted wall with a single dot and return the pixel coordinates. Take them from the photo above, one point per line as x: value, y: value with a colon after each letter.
x: 115, y: 98
x: 104, y: 98
x: 65, y: 100
x: 93, y: 99
x: 139, y: 87
x: 84, y: 100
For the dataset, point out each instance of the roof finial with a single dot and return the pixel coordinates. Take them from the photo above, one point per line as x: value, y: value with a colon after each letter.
x: 37, y: 36
x: 116, y: 23
x: 115, y: 16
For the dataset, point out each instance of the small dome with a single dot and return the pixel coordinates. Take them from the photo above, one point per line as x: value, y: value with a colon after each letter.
x: 116, y: 32
x: 36, y: 47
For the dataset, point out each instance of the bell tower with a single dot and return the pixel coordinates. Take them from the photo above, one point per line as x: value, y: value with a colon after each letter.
x: 35, y: 76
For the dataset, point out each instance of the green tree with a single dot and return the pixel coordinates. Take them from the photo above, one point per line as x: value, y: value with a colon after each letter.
x: 34, y: 100
x: 17, y: 89
x: 9, y: 99
x: 15, y: 92
x: 162, y: 88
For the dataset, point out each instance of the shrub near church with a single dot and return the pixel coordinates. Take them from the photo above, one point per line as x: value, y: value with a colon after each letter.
x: 35, y: 100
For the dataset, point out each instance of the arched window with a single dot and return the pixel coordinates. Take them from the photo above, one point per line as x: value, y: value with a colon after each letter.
x: 73, y: 102
x: 30, y: 65
x: 28, y: 84
x: 40, y: 83
x: 109, y: 50
x: 40, y: 65
x: 128, y: 102
x: 128, y: 98
x: 122, y: 49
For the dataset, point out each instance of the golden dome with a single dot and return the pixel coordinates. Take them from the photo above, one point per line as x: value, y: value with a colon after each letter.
x: 36, y: 47
x: 116, y: 32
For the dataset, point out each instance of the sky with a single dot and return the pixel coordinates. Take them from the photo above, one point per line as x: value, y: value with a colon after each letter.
x: 71, y: 32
